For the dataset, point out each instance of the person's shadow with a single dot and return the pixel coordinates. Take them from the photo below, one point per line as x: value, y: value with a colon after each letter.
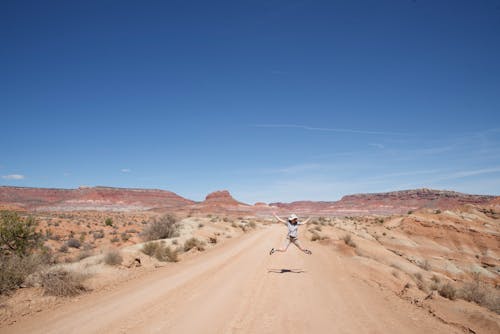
x: 286, y: 271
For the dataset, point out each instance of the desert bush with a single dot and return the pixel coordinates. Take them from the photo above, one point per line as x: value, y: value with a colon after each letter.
x: 18, y: 235
x: 435, y: 279
x: 14, y: 269
x: 149, y: 248
x: 315, y: 236
x: 447, y: 291
x: 200, y: 225
x: 425, y: 265
x: 115, y: 239
x: 481, y: 294
x: 113, y: 258
x: 98, y: 235
x: 193, y: 243
x: 83, y: 255
x: 317, y: 228
x: 160, y: 252
x: 164, y: 228
x: 165, y: 254
x: 348, y: 241
x: 252, y: 224
x: 108, y: 222
x: 125, y: 236
x: 73, y: 243
x: 63, y: 248
x: 212, y: 240
x: 62, y: 283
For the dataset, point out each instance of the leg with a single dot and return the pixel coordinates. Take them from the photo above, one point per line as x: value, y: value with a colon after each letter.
x: 297, y: 244
x: 287, y: 243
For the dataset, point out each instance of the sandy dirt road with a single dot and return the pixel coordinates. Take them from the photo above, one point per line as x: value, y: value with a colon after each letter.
x: 238, y: 288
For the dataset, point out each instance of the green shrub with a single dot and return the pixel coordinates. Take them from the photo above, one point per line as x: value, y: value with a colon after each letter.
x: 18, y: 235
x: 108, y: 222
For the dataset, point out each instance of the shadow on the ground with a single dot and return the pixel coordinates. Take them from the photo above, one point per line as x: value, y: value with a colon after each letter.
x: 286, y: 271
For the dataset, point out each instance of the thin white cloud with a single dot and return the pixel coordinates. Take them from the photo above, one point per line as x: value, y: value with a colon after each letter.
x: 467, y: 173
x: 125, y: 170
x: 13, y: 177
x: 379, y: 146
x: 311, y: 128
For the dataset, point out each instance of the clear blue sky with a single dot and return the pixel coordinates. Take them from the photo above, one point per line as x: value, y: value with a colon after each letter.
x: 272, y: 100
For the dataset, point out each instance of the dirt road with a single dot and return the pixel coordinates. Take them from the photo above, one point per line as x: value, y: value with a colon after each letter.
x: 238, y: 288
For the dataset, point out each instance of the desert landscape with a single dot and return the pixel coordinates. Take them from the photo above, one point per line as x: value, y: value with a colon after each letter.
x: 121, y: 260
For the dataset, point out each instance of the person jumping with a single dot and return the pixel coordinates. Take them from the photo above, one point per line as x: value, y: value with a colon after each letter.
x: 293, y: 226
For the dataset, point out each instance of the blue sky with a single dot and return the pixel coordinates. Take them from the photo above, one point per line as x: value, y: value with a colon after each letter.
x: 272, y: 100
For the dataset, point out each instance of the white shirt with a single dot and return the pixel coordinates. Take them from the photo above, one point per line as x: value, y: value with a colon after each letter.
x: 293, y: 229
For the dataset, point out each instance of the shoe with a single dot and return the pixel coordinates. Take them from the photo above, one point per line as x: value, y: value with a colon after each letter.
x: 272, y: 251
x: 307, y: 251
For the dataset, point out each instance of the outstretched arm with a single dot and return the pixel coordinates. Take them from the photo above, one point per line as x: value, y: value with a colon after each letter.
x: 279, y: 219
x: 306, y: 221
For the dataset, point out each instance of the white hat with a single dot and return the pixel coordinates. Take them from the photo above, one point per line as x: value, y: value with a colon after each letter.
x: 293, y: 216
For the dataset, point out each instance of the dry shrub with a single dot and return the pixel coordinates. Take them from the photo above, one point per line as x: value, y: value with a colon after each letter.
x: 164, y: 228
x: 447, y: 291
x: 348, y: 241
x: 252, y: 224
x: 194, y: 243
x: 15, y: 269
x: 113, y: 258
x: 425, y: 265
x: 481, y: 294
x: 62, y: 283
x: 73, y: 243
x: 160, y: 252
x: 315, y: 236
x: 317, y: 228
x: 149, y: 248
x: 165, y: 254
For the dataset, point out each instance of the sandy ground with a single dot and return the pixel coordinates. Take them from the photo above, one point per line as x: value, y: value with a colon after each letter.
x: 239, y: 288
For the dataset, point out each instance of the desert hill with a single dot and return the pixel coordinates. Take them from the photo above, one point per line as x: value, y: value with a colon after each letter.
x: 89, y: 198
x: 126, y: 199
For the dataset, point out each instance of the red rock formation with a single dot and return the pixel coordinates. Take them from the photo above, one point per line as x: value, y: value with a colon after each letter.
x: 89, y: 198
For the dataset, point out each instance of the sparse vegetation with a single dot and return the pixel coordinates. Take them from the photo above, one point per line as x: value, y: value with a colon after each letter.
x: 194, y: 243
x: 14, y: 269
x: 164, y: 228
x: 113, y: 257
x: 481, y: 294
x: 160, y: 252
x: 447, y: 291
x: 62, y: 283
x: 348, y: 241
x: 73, y: 243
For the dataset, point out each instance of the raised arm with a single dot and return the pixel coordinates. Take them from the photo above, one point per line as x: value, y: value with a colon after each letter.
x: 279, y: 219
x: 306, y: 221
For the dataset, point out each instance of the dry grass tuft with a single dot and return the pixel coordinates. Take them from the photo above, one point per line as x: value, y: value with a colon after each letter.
x: 348, y: 241
x: 113, y: 258
x: 15, y: 269
x: 194, y: 243
x: 447, y: 291
x: 160, y: 252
